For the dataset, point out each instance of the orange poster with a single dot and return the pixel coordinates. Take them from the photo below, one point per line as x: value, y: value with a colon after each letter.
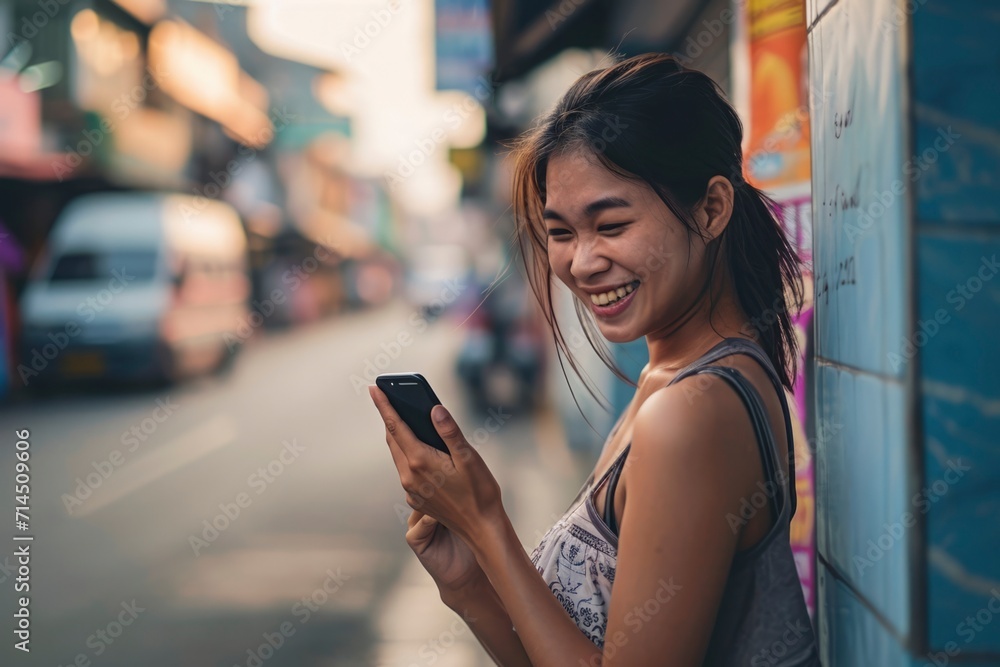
x: 778, y: 149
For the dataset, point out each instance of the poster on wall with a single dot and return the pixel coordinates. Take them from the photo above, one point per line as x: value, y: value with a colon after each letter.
x: 778, y: 133
x: 769, y: 52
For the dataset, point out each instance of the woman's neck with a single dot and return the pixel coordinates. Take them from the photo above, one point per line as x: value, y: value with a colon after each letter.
x: 706, y: 327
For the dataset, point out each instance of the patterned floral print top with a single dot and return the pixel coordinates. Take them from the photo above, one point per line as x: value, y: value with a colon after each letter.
x: 577, y: 557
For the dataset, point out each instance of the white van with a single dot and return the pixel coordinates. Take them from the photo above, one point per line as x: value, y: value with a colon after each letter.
x: 136, y: 285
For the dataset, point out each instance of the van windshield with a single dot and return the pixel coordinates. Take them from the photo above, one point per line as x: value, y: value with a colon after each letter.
x: 137, y: 265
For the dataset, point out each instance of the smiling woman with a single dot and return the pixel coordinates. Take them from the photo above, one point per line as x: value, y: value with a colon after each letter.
x: 656, y: 235
x: 679, y: 144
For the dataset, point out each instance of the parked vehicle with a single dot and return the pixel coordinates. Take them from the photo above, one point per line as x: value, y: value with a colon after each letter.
x: 436, y: 277
x: 135, y: 285
x: 502, y: 358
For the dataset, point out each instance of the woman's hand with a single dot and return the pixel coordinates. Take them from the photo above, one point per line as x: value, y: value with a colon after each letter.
x: 458, y: 490
x: 465, y: 588
x: 444, y: 555
x: 460, y: 493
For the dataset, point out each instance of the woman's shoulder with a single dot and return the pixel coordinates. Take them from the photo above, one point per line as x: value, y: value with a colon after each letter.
x: 694, y: 421
x: 700, y: 401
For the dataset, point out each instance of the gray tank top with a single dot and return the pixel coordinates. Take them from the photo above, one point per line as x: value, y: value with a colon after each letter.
x: 762, y: 618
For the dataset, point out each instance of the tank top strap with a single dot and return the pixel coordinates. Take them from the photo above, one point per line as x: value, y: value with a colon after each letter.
x: 758, y: 414
x: 766, y: 442
x: 609, y: 497
x: 729, y: 346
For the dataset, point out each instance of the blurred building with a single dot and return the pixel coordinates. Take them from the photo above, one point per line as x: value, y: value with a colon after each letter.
x: 116, y: 96
x: 143, y: 95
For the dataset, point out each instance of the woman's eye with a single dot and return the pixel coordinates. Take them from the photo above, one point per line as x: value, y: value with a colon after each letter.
x: 608, y: 228
x: 558, y: 232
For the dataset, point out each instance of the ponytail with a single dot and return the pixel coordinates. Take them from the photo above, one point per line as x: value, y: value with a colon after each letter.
x: 756, y: 245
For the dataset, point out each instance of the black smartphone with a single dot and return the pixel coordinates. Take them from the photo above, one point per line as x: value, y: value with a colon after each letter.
x: 412, y: 397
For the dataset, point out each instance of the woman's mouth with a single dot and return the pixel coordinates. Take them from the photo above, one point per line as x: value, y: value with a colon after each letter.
x: 614, y: 302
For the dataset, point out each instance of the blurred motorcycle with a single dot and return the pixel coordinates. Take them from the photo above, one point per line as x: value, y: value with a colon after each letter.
x: 502, y: 357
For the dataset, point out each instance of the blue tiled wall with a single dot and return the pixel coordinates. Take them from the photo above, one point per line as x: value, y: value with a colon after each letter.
x: 866, y: 521
x: 956, y: 115
x: 862, y: 492
x: 920, y: 420
x: 956, y: 85
x: 853, y: 637
x: 850, y: 634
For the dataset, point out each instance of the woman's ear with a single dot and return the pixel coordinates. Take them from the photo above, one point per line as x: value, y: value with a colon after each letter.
x: 715, y: 209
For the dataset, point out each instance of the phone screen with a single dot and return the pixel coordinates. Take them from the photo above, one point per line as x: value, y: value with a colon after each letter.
x: 412, y: 397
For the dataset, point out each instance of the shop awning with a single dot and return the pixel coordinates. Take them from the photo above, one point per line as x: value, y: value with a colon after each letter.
x: 526, y: 33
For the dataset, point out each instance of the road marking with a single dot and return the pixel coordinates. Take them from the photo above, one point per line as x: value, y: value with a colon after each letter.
x: 339, y: 579
x: 195, y: 444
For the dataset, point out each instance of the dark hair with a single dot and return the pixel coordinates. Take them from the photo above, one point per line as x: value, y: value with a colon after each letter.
x: 649, y: 118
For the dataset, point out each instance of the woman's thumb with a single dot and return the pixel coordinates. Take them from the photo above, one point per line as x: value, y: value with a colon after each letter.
x: 448, y: 429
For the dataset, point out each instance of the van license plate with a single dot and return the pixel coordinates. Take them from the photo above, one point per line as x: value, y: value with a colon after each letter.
x: 83, y: 363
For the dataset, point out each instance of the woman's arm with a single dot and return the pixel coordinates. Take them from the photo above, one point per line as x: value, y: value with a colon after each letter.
x: 547, y: 634
x: 464, y: 588
x: 694, y: 469
x: 685, y: 474
x: 675, y: 546
x: 461, y: 493
x: 480, y: 607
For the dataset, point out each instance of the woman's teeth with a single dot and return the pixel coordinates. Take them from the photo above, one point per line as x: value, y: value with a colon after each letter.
x: 615, y: 294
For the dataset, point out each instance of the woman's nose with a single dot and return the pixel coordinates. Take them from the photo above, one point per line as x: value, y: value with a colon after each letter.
x: 588, y: 260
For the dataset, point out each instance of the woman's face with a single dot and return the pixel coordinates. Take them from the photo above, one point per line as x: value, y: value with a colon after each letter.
x: 607, y: 236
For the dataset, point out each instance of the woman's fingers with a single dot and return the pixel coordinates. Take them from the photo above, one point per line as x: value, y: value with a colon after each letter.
x: 397, y: 428
x: 463, y: 480
x: 420, y: 533
x: 398, y: 457
x: 421, y: 520
x: 449, y: 431
x: 416, y: 487
x: 414, y: 517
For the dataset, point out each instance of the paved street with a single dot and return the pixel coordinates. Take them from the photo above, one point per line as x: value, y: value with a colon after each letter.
x: 252, y: 519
